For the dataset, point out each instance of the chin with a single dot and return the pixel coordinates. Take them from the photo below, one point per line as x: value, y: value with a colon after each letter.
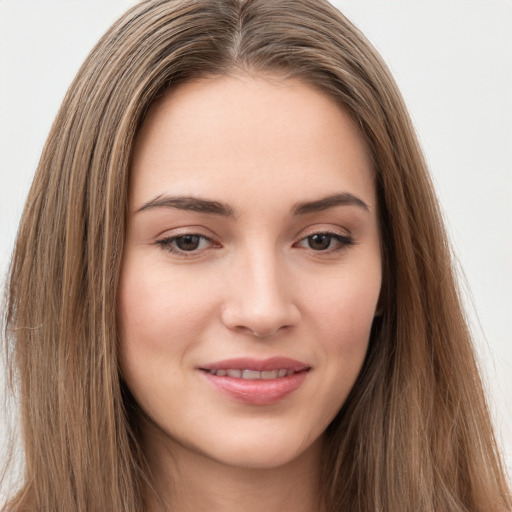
x: 262, y: 450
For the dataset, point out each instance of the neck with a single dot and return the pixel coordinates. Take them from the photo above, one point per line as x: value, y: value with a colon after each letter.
x: 188, y: 481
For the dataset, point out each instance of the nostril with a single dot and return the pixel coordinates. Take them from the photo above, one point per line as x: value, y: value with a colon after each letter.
x: 260, y: 324
x: 260, y: 302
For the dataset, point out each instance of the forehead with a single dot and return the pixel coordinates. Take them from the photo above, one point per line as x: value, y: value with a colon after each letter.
x: 224, y: 135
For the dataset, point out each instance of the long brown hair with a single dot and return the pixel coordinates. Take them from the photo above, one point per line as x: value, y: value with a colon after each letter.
x: 414, y: 433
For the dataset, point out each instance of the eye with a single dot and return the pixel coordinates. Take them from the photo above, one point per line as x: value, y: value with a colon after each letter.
x: 188, y: 243
x: 325, y: 242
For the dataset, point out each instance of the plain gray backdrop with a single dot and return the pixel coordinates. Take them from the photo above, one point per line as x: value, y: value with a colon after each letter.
x: 452, y: 60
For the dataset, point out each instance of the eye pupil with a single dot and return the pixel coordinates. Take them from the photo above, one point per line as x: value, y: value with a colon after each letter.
x: 188, y: 242
x: 319, y: 242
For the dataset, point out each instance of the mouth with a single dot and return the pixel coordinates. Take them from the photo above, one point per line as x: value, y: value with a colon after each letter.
x: 256, y: 382
x: 252, y: 374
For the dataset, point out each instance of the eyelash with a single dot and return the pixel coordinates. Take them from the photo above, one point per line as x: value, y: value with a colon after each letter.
x: 343, y: 240
x: 168, y: 243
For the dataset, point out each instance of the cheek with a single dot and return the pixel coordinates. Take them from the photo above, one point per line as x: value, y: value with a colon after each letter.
x: 343, y: 316
x: 346, y: 306
x: 159, y: 316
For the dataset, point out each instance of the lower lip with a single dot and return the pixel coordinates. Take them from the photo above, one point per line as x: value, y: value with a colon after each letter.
x: 257, y: 392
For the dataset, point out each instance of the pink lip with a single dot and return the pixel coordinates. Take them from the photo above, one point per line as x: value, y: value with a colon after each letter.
x: 260, y: 365
x: 257, y: 392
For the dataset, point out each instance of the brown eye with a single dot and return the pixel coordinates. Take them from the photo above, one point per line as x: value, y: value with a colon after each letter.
x: 187, y: 242
x: 319, y: 242
x: 185, y: 245
x: 325, y: 242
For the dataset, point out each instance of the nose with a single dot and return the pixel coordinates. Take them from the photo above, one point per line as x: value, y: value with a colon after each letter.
x: 260, y: 299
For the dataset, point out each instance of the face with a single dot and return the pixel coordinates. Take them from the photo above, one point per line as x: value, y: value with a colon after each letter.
x: 252, y: 268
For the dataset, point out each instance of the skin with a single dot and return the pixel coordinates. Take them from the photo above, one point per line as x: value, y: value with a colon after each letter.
x: 258, y: 284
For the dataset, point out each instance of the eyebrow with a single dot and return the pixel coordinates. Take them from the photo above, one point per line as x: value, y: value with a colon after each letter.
x: 343, y: 199
x: 193, y: 204
x: 207, y: 206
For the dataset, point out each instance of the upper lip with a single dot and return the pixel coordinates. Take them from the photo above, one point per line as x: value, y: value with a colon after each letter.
x: 261, y: 365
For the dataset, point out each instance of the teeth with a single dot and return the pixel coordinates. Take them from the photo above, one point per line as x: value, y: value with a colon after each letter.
x: 253, y: 374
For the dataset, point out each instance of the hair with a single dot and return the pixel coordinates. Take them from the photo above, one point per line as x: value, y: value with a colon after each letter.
x: 414, y: 433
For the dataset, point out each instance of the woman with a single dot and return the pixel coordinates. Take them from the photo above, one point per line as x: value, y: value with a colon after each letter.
x: 231, y: 285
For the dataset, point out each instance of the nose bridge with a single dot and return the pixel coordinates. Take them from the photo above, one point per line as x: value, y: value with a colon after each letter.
x: 259, y: 300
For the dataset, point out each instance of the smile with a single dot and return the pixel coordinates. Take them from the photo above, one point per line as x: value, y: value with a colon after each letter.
x: 253, y: 374
x: 255, y: 381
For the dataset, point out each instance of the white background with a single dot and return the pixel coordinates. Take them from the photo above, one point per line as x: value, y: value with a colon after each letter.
x: 453, y: 62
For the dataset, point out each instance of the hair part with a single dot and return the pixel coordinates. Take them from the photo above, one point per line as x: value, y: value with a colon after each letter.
x: 415, y: 432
